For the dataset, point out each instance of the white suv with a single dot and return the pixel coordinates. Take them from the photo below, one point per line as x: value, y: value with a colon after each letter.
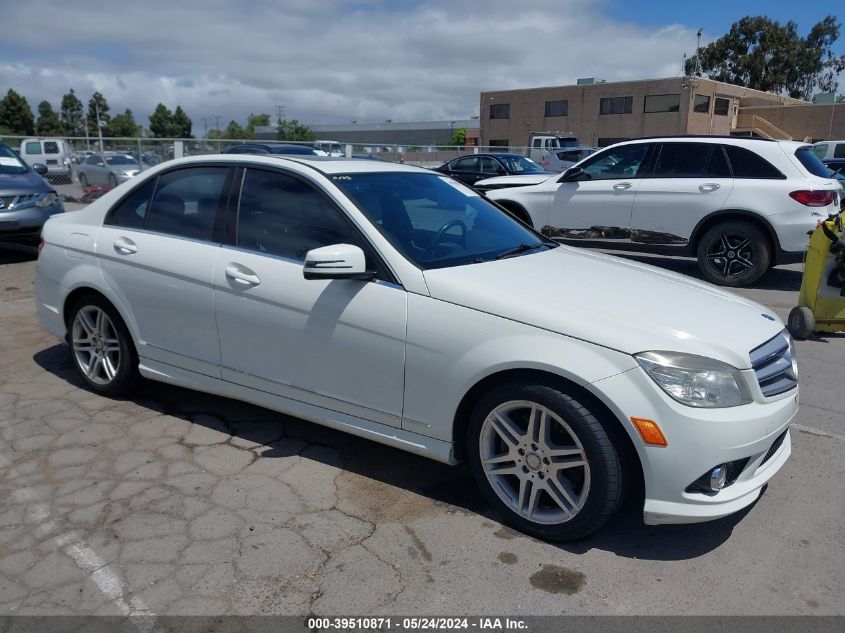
x: 738, y: 205
x: 397, y: 304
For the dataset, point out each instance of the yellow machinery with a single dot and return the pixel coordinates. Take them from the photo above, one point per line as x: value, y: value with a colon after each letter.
x: 821, y: 302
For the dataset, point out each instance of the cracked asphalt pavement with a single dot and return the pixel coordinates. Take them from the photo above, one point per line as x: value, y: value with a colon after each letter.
x: 177, y: 502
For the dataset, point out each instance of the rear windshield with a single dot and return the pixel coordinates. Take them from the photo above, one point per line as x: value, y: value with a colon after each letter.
x: 811, y: 162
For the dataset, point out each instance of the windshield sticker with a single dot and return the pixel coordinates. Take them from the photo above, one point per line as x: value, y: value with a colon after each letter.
x: 9, y: 161
x: 469, y: 193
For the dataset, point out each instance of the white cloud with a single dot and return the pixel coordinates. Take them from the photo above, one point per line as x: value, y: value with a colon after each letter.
x: 327, y: 61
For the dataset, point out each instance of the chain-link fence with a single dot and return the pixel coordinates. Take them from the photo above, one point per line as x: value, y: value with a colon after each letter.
x: 83, y: 168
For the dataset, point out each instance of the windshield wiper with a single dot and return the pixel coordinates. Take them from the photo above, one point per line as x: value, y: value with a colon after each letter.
x: 516, y: 250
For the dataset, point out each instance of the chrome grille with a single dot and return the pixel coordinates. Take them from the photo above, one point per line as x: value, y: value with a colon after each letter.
x: 774, y: 364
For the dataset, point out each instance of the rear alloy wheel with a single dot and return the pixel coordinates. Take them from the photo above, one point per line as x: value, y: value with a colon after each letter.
x: 734, y: 254
x: 83, y: 179
x: 100, y: 347
x: 112, y: 181
x: 544, y: 462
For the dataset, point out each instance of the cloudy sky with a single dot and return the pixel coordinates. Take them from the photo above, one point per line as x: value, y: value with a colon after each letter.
x: 333, y: 61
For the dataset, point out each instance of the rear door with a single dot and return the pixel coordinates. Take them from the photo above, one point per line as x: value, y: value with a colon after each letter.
x: 157, y: 251
x: 688, y: 181
x: 467, y: 169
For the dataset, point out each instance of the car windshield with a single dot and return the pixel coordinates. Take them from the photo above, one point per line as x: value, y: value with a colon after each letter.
x: 9, y: 162
x: 520, y: 165
x: 121, y: 160
x: 436, y: 222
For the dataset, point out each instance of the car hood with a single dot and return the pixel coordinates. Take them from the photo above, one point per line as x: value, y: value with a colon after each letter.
x: 29, y: 182
x: 612, y: 302
x: 516, y: 181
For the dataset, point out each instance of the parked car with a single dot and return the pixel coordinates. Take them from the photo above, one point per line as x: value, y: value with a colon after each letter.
x: 562, y: 159
x: 474, y: 167
x: 52, y: 152
x: 107, y: 169
x: 330, y: 148
x: 837, y: 166
x: 540, y: 143
x: 272, y: 148
x: 829, y: 149
x: 26, y: 199
x: 401, y: 306
x: 738, y: 205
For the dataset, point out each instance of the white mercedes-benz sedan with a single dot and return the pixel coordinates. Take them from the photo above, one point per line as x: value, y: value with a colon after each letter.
x: 397, y: 304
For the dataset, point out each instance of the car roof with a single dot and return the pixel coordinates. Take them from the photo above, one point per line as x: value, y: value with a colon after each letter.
x: 742, y: 141
x: 326, y: 165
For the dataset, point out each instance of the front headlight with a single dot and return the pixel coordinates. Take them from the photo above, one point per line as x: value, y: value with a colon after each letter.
x: 695, y: 381
x: 45, y: 200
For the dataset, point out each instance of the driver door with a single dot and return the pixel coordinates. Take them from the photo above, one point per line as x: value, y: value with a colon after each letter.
x: 338, y: 344
x: 598, y: 206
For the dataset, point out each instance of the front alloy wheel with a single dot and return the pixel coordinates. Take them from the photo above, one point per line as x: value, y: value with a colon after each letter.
x: 544, y: 461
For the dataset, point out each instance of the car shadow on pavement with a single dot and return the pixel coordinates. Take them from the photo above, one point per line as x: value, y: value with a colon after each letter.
x: 17, y: 253
x: 777, y: 278
x: 389, y: 474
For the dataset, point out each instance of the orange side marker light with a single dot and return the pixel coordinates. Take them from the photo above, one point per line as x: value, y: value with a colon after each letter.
x: 650, y: 432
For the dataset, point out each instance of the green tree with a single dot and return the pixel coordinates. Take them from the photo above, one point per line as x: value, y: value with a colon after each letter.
x: 49, y: 123
x: 123, y: 125
x: 71, y: 115
x: 161, y: 123
x: 459, y: 137
x: 234, y: 131
x: 255, y: 120
x: 764, y: 54
x: 15, y: 114
x: 98, y: 106
x: 182, y: 122
x: 293, y: 130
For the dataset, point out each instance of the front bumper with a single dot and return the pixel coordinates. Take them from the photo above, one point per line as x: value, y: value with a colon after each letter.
x: 26, y: 221
x: 698, y: 441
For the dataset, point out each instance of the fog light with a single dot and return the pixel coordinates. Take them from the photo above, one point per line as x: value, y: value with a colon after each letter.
x: 718, y: 477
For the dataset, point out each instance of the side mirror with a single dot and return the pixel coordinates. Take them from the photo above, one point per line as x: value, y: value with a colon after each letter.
x: 338, y: 261
x: 572, y: 174
x: 40, y: 168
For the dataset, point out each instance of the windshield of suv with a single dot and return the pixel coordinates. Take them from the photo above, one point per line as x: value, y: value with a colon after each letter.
x: 437, y: 222
x: 122, y: 160
x: 812, y: 163
x: 9, y: 162
x: 520, y: 165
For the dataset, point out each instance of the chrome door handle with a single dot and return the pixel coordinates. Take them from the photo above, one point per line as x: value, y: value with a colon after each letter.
x: 708, y: 187
x: 241, y: 276
x: 621, y: 186
x: 125, y: 246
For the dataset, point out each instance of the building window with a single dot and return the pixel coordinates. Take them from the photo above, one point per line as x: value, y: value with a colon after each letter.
x: 721, y: 106
x: 662, y: 103
x: 499, y: 143
x: 701, y: 104
x: 616, y: 105
x: 557, y: 108
x: 500, y: 110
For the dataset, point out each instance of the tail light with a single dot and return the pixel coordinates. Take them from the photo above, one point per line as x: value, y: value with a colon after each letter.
x: 811, y: 198
x: 41, y: 243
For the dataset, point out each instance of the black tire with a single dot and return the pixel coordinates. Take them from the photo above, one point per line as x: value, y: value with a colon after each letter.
x: 126, y: 376
x: 83, y: 179
x: 603, y: 475
x: 734, y: 253
x: 112, y: 181
x: 801, y: 322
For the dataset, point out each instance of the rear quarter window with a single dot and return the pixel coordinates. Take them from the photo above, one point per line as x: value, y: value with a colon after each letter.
x: 839, y: 150
x: 811, y: 162
x: 747, y: 164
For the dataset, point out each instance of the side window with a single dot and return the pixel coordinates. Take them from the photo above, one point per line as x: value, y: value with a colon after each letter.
x: 466, y: 164
x: 617, y: 162
x: 538, y: 142
x: 33, y: 147
x: 490, y: 165
x: 132, y: 210
x: 281, y: 215
x: 51, y: 147
x: 93, y: 159
x: 747, y: 164
x: 839, y: 150
x: 682, y: 160
x: 186, y: 202
x: 718, y: 166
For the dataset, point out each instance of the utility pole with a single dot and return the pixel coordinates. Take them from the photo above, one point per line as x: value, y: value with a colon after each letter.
x: 698, y: 53
x: 99, y: 125
x: 280, y: 113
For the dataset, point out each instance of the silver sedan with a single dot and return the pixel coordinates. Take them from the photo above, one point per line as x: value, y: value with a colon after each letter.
x: 107, y: 169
